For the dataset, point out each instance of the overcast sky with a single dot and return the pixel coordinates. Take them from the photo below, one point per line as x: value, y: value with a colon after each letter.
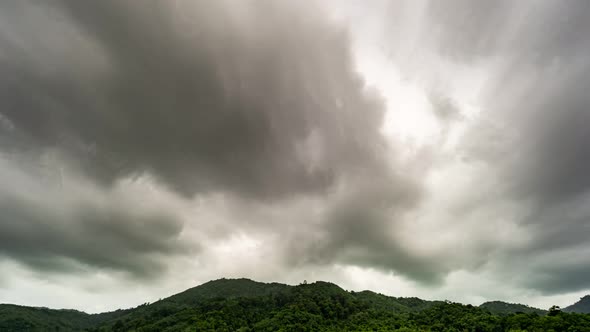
x: 438, y: 149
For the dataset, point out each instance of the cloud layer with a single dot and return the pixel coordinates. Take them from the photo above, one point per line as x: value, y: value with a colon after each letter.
x: 427, y: 143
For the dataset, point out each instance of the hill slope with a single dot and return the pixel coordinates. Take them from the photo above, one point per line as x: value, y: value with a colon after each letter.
x: 504, y: 308
x: 582, y: 306
x: 21, y: 318
x: 226, y: 288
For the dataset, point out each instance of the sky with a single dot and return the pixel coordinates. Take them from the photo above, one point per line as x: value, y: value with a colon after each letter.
x: 410, y: 147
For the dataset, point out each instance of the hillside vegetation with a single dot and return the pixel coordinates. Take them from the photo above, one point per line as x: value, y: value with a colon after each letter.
x: 504, y: 308
x: 245, y: 305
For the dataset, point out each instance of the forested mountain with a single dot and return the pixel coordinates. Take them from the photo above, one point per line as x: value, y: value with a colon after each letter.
x: 504, y: 308
x: 246, y: 305
x: 226, y: 288
x: 21, y: 318
x: 582, y: 306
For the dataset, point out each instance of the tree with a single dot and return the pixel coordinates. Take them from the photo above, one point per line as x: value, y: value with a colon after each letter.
x: 554, y: 310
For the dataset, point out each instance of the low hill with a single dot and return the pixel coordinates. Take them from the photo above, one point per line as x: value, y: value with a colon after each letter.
x: 397, y: 304
x: 505, y: 308
x: 226, y: 288
x: 21, y: 318
x: 582, y: 306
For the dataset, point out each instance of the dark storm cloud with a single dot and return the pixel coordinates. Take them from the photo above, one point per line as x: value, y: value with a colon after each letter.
x: 549, y: 270
x: 54, y: 227
x: 96, y: 238
x: 259, y: 101
x: 561, y: 279
x: 557, y: 259
x: 257, y: 98
x: 555, y: 156
x: 360, y: 229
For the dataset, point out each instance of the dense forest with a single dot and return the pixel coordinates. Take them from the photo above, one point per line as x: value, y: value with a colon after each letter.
x: 246, y: 305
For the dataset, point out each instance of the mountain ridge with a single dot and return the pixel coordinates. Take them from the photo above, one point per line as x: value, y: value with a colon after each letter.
x: 264, y: 306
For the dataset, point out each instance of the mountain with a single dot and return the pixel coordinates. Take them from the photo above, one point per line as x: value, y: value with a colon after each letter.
x: 397, y: 304
x: 21, y: 318
x: 504, y: 308
x: 245, y: 305
x: 582, y: 306
x: 226, y: 288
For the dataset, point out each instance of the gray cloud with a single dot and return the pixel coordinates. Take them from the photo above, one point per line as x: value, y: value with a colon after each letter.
x: 256, y: 109
x: 554, y: 158
x: 260, y: 100
x: 535, y: 32
x: 557, y: 258
x: 64, y: 225
x: 556, y: 278
x: 359, y: 227
x: 535, y: 99
x: 527, y: 142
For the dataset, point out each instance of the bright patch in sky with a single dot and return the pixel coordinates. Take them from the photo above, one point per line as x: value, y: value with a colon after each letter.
x: 409, y: 113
